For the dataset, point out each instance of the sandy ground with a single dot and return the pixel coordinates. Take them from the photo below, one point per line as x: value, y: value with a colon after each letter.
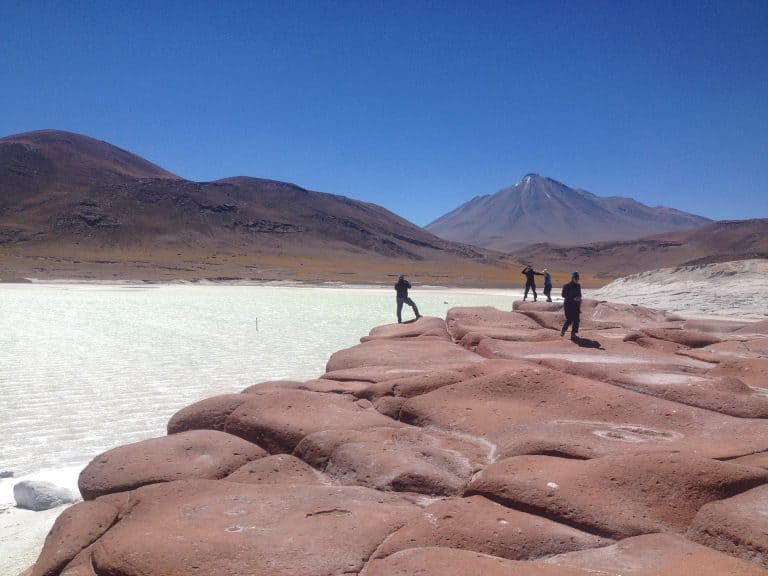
x: 734, y: 290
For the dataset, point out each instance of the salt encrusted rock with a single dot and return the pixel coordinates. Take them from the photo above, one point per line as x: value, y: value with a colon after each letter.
x: 616, y: 496
x: 399, y: 459
x: 192, y: 454
x: 219, y: 527
x: 40, y: 495
x: 656, y: 555
x: 74, y: 530
x: 737, y: 526
x: 480, y: 525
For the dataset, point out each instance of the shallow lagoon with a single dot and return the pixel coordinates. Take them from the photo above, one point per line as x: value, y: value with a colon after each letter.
x: 84, y: 368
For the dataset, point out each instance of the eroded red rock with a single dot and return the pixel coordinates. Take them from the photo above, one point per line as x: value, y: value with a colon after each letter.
x: 208, y: 414
x: 219, y: 527
x: 531, y: 407
x: 279, y: 419
x: 480, y: 525
x: 657, y: 555
x: 405, y: 459
x: 399, y: 353
x: 278, y: 469
x: 607, y: 437
x: 615, y: 496
x: 426, y: 326
x: 438, y: 561
x: 191, y: 454
x: 486, y: 320
x: 74, y: 530
x: 736, y: 526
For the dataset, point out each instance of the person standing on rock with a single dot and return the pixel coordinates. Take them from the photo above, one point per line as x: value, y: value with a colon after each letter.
x: 401, y: 288
x: 530, y: 283
x: 572, y: 306
x: 547, y: 285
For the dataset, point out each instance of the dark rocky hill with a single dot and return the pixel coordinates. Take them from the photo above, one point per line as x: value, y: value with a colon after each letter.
x: 714, y: 242
x: 73, y: 197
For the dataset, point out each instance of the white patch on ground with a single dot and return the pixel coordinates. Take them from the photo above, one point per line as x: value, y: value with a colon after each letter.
x: 606, y: 358
x: 665, y: 378
x: 735, y: 290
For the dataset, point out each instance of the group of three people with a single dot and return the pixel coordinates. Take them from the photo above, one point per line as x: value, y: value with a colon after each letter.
x: 571, y: 298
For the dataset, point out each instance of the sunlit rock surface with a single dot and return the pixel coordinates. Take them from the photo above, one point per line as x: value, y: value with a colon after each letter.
x: 480, y: 444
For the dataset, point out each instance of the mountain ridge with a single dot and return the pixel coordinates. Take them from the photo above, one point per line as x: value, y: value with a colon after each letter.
x: 83, y: 199
x: 542, y: 209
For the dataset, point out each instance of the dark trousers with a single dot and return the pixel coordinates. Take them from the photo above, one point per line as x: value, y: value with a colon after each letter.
x: 572, y: 314
x: 411, y: 303
x: 532, y: 285
x: 548, y: 291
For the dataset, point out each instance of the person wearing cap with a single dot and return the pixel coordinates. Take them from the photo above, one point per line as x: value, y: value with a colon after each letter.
x: 547, y: 285
x: 572, y: 305
x: 401, y: 288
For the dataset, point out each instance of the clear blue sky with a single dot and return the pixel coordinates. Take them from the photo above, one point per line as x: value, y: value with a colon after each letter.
x: 416, y: 106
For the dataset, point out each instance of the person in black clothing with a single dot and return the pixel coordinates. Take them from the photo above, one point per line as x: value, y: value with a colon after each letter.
x: 529, y: 281
x: 572, y: 305
x: 402, y: 298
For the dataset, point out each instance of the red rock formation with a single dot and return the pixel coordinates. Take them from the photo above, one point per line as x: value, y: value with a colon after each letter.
x: 485, y: 444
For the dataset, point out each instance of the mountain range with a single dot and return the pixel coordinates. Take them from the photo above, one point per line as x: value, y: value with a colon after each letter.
x: 78, y: 208
x: 72, y: 203
x: 540, y: 209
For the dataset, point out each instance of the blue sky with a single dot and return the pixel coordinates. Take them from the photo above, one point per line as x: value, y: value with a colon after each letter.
x: 416, y: 106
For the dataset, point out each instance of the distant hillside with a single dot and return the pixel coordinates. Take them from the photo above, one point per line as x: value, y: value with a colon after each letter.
x: 539, y: 209
x: 71, y: 197
x: 715, y: 242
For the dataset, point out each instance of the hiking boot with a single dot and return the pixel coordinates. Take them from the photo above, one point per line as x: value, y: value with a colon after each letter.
x: 562, y: 332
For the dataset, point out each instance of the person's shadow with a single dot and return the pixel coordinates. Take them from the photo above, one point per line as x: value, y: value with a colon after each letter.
x: 587, y: 343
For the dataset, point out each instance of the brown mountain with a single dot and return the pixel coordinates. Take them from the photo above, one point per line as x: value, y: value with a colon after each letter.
x: 72, y: 205
x: 714, y: 242
x: 539, y: 209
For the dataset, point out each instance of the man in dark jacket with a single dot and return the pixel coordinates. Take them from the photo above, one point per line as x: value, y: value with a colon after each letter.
x: 572, y: 305
x: 402, y: 298
x: 529, y: 281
